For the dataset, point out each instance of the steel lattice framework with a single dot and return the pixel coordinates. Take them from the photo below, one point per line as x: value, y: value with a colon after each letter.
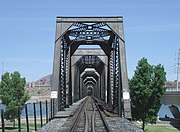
x: 89, y: 32
x: 71, y: 80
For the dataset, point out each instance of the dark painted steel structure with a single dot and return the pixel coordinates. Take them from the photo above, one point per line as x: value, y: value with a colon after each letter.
x: 103, y: 72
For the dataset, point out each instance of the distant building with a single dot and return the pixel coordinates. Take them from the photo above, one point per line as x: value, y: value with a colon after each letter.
x: 30, y: 85
x: 172, y: 86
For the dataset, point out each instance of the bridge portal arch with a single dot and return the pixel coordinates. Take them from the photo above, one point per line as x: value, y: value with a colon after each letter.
x: 69, y: 68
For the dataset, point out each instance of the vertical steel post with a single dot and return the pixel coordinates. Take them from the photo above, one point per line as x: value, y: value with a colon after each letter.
x: 60, y: 97
x: 2, y: 121
x: 119, y: 81
x: 27, y: 121
x: 115, y: 100
x: 19, y: 119
x: 81, y: 91
x: 108, y: 83
x: 100, y: 86
x: 35, y: 125
x: 111, y: 78
x: 64, y: 69
x: 53, y: 109
x: 79, y: 82
x: 69, y: 78
x: 46, y: 111
x: 104, y: 85
x: 40, y: 105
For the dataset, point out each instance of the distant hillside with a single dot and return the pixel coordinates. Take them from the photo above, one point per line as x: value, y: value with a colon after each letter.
x: 42, y: 82
x: 39, y: 91
x: 46, y: 80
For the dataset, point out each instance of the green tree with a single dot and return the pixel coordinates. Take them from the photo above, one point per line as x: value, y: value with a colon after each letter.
x: 13, y: 94
x: 147, y: 86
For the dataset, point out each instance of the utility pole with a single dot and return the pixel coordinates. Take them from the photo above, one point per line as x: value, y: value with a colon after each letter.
x: 178, y: 68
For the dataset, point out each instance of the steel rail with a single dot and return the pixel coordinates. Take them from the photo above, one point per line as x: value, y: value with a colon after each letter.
x: 93, y: 119
x: 86, y: 119
x: 103, y: 119
x: 86, y: 125
x: 72, y: 127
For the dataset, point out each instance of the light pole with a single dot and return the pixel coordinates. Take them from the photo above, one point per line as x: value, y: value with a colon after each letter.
x: 178, y: 68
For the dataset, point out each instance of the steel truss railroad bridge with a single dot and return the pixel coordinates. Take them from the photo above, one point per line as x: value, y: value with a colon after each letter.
x: 100, y: 72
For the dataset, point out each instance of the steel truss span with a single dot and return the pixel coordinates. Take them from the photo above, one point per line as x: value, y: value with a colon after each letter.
x: 98, y: 72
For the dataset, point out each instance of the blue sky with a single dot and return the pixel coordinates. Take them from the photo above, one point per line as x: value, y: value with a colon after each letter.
x: 27, y: 31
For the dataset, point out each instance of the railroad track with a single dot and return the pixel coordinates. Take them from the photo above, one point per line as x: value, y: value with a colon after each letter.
x: 89, y: 118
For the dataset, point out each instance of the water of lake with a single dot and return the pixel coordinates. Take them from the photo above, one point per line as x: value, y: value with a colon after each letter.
x: 31, y: 110
x: 164, y: 110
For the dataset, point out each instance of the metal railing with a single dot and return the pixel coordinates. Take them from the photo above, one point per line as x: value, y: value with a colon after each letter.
x: 38, y: 114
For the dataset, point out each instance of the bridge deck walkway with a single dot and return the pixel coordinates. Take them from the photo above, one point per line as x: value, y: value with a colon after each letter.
x: 69, y: 111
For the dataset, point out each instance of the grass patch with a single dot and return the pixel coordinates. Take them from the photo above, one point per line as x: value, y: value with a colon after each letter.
x: 157, y: 128
x: 9, y: 126
x: 153, y: 128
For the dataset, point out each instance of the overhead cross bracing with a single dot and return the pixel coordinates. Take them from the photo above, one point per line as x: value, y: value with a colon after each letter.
x: 90, y: 61
x: 102, y: 71
x: 89, y: 32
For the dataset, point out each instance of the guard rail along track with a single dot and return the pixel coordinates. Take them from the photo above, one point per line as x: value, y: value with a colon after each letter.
x: 89, y: 118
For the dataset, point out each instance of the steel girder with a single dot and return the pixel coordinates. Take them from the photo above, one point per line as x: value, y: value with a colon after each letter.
x: 64, y: 78
x: 63, y: 74
x: 116, y: 77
